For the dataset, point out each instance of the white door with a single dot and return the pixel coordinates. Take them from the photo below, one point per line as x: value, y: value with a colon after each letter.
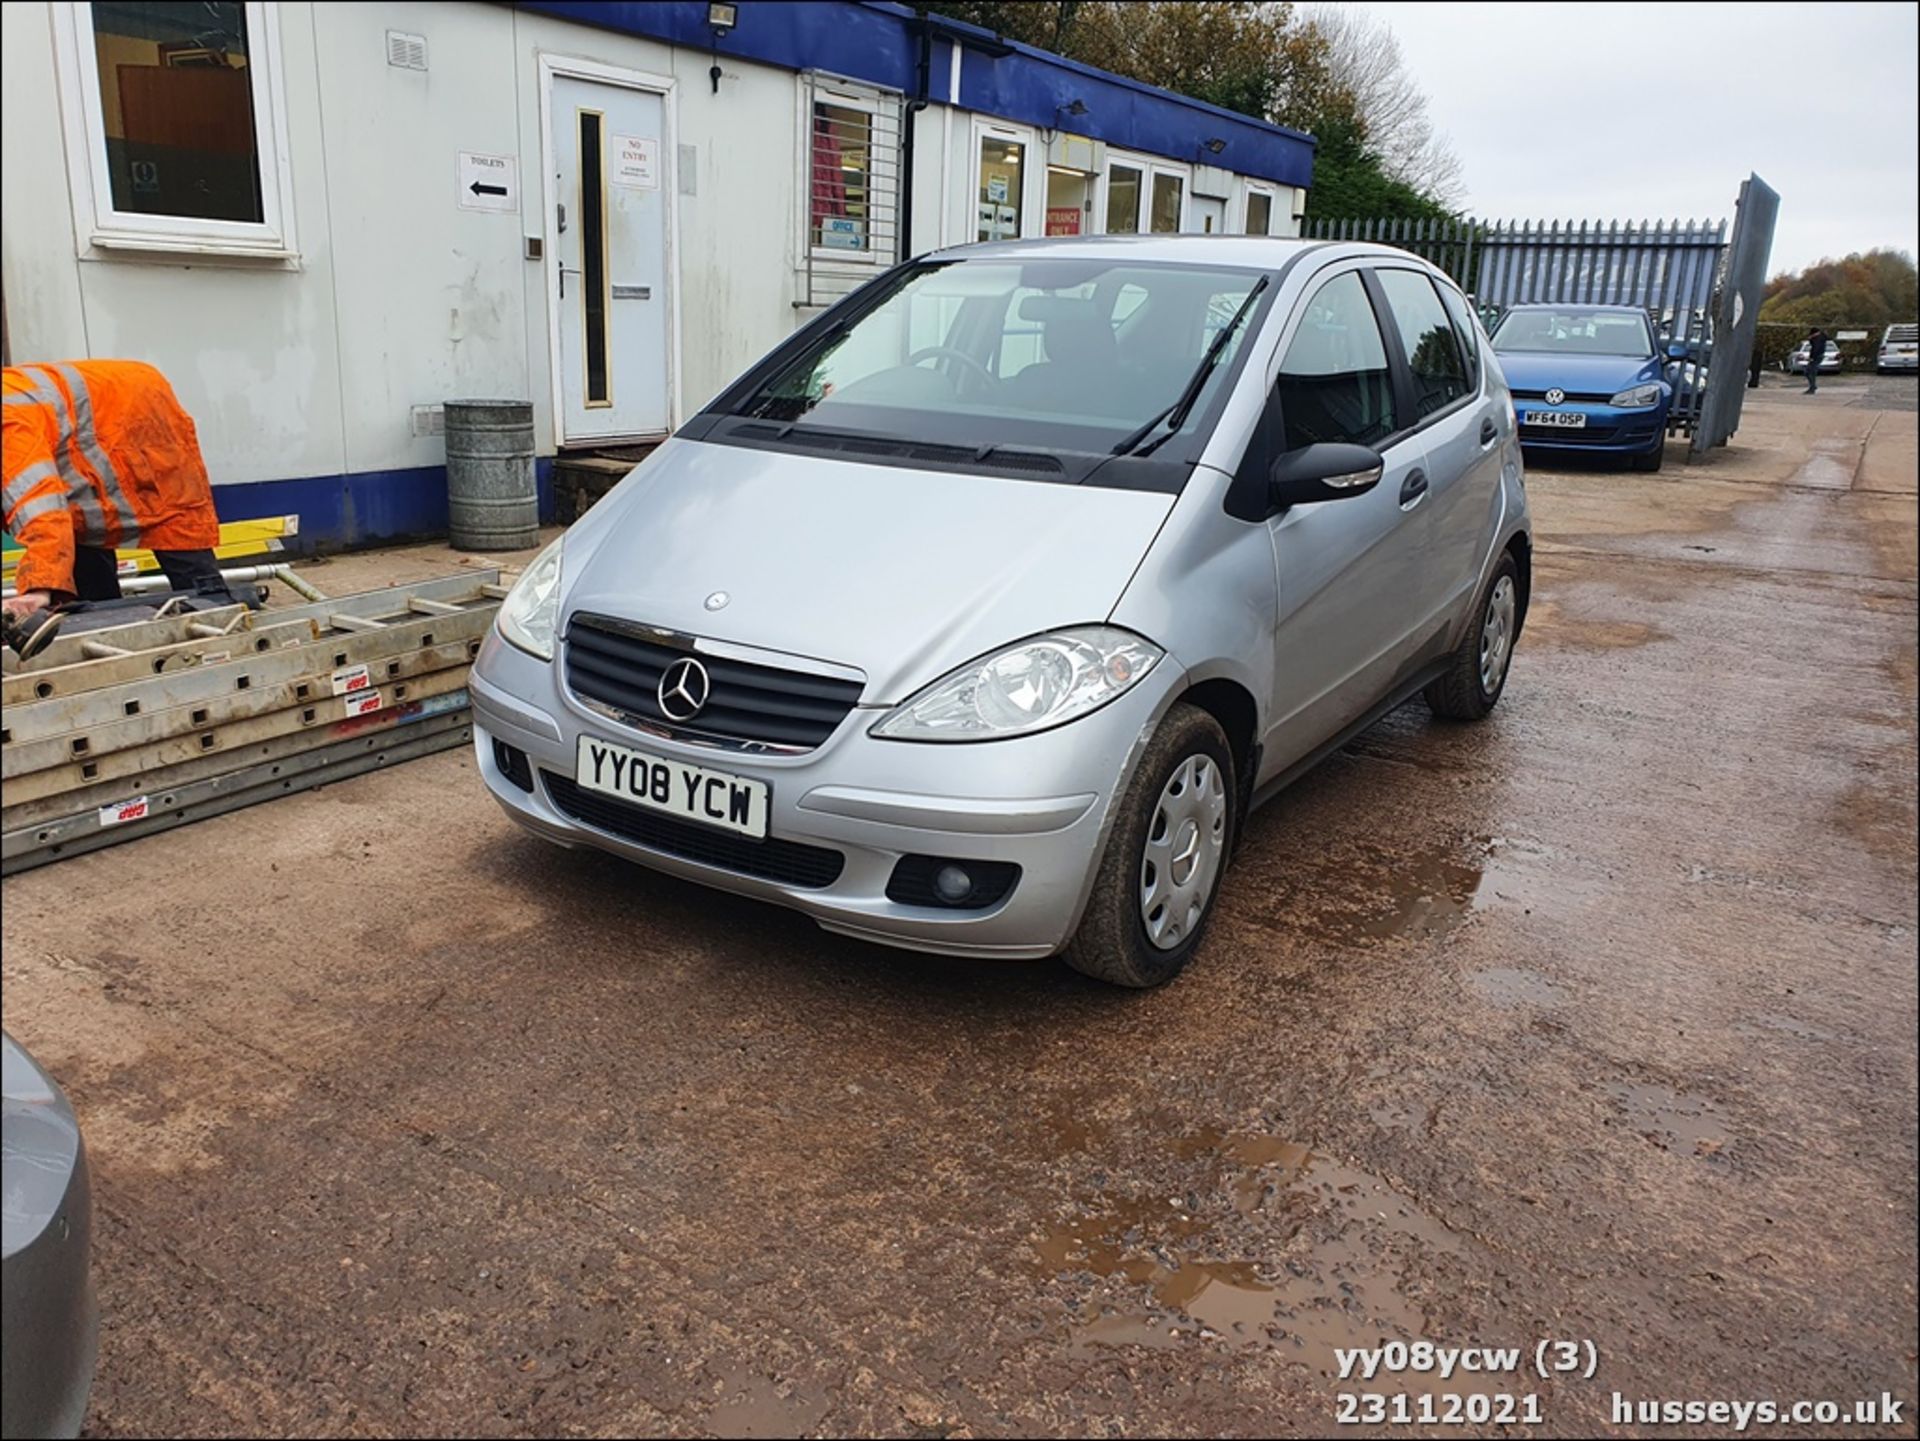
x: 609, y: 270
x: 1207, y: 215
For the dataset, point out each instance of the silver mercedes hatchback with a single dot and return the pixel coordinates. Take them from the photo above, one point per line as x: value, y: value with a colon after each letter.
x: 978, y: 615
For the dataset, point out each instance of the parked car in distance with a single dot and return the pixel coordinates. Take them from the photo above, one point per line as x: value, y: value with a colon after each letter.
x: 1589, y: 378
x: 976, y: 617
x: 48, y: 1323
x: 1899, y: 349
x: 1829, y: 361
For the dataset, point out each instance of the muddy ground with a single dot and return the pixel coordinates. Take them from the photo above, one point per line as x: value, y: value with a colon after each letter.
x: 1595, y: 1022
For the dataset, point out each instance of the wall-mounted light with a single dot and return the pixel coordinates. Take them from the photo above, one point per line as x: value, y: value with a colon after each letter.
x: 721, y: 17
x: 1215, y: 146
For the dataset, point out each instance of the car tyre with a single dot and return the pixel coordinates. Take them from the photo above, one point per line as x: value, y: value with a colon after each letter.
x: 1172, y: 833
x: 1653, y: 459
x: 1476, y: 673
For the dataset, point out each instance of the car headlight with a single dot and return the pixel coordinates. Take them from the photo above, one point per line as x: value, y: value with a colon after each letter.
x: 1031, y: 685
x: 1640, y: 395
x: 528, y: 615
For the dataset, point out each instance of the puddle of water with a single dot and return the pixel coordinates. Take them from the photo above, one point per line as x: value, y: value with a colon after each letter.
x: 1786, y: 1025
x: 1411, y: 1116
x: 1510, y: 986
x: 1425, y: 894
x: 753, y: 1406
x: 1339, y: 1291
x: 1670, y: 1119
x: 1547, y: 625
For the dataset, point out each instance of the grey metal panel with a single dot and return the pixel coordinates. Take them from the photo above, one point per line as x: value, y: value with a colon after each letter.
x: 366, y: 729
x: 149, y: 726
x: 213, y: 684
x: 1737, y: 314
x: 270, y: 789
x: 60, y: 671
x: 149, y: 759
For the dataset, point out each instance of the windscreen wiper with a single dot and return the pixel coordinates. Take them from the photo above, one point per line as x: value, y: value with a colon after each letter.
x: 1175, y: 415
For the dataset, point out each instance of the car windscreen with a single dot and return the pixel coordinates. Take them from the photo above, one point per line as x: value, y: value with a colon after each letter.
x: 1573, y: 332
x: 1055, y: 354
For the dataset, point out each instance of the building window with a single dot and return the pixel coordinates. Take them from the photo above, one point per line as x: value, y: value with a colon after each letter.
x: 1259, y: 213
x: 175, y: 114
x: 847, y: 218
x: 1168, y: 190
x: 843, y: 198
x: 1002, y: 164
x: 1123, y: 200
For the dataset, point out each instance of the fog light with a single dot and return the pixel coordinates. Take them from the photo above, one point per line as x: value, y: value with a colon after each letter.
x: 952, y: 884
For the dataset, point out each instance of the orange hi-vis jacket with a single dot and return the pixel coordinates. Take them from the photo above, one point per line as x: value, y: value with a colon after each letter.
x: 99, y: 452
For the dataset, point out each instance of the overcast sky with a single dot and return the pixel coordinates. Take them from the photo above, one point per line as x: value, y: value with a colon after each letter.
x: 1632, y: 112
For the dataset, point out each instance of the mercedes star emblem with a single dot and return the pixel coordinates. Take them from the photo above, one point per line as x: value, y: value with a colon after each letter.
x: 683, y: 689
x: 1555, y: 396
x: 718, y: 600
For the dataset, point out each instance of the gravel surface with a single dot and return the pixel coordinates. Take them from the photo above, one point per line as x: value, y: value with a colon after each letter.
x: 1595, y: 1022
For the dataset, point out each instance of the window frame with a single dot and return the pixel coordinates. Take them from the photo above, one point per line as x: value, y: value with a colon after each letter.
x: 1103, y: 188
x: 100, y: 228
x: 1383, y: 327
x: 1031, y: 214
x: 1181, y: 173
x: 1397, y: 350
x: 1248, y: 190
x: 847, y: 95
x: 1148, y: 167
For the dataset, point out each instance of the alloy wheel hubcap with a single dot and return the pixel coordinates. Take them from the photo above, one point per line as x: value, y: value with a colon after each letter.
x: 1186, y: 841
x: 1496, y: 635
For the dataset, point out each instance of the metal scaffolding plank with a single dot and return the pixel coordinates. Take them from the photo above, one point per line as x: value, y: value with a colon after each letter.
x: 16, y: 815
x: 53, y: 675
x: 22, y: 758
x: 149, y: 759
x: 215, y: 686
x: 268, y: 787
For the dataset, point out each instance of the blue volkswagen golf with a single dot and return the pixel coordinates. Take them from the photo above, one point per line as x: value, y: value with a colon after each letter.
x: 1587, y: 378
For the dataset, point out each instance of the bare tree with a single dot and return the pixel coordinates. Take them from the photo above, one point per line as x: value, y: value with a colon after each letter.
x: 1364, y: 59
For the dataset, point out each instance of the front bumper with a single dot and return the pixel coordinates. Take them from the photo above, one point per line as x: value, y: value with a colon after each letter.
x: 1041, y: 802
x: 1609, y: 430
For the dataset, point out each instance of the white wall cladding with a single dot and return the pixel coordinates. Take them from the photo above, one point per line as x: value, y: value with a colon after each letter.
x: 399, y: 297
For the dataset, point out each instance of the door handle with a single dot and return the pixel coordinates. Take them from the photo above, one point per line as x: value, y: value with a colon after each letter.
x: 565, y: 270
x: 1413, y: 489
x: 1489, y: 432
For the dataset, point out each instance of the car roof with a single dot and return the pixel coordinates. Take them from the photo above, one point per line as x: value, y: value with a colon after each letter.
x: 1255, y: 251
x: 1577, y: 305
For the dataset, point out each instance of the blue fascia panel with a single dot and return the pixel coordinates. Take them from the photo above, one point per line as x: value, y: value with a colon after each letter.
x: 878, y: 42
x: 365, y: 508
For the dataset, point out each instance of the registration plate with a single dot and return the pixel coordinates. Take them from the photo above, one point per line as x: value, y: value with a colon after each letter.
x: 1556, y: 419
x: 692, y: 793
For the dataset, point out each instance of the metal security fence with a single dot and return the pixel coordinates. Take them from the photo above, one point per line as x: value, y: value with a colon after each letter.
x: 1665, y: 266
x: 1673, y: 269
x: 1449, y: 244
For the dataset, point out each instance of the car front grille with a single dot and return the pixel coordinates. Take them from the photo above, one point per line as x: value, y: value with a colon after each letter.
x: 748, y: 703
x: 787, y: 863
x: 1593, y: 397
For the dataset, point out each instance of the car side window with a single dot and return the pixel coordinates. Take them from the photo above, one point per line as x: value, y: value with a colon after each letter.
x: 1432, y: 348
x: 1463, y: 324
x: 1334, y: 384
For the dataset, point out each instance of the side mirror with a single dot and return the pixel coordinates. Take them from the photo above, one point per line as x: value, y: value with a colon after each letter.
x: 1326, y: 471
x: 1677, y: 351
